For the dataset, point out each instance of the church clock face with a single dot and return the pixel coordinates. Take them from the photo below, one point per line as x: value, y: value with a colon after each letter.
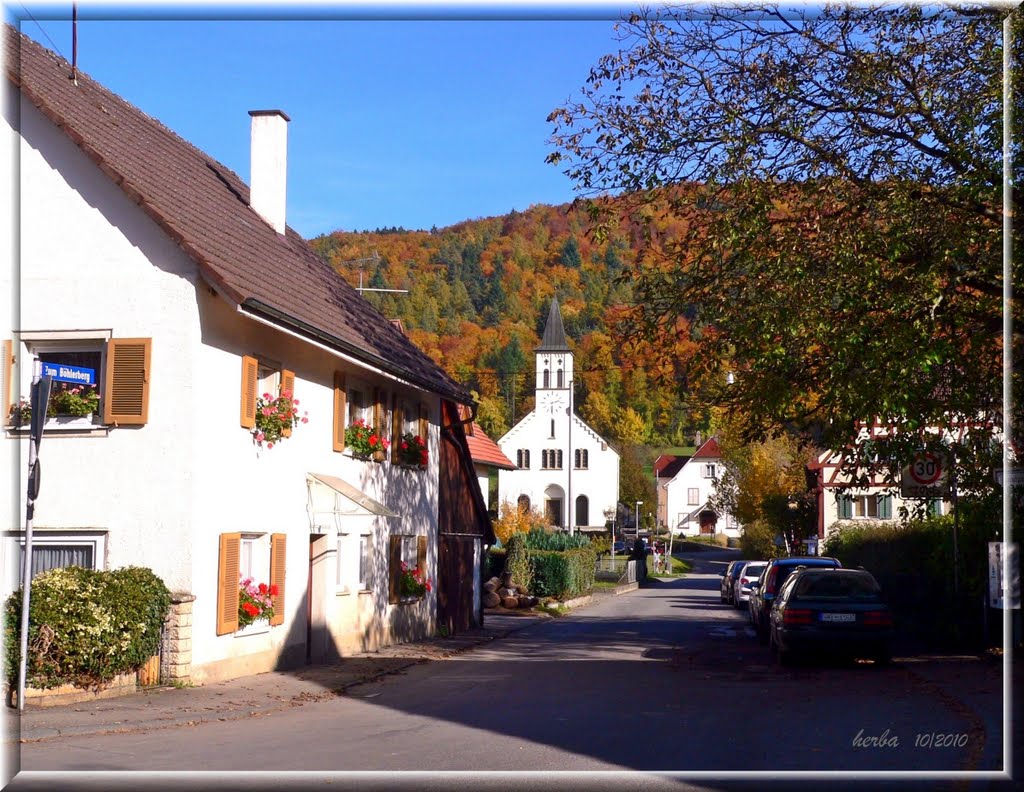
x: 551, y: 402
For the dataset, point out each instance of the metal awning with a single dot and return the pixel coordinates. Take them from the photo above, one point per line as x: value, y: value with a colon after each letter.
x: 361, y: 503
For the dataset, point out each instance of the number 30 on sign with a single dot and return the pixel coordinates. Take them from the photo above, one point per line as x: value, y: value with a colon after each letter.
x: 925, y: 476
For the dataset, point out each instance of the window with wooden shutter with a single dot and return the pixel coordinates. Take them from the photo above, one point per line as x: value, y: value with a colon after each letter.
x: 397, y: 427
x: 885, y: 507
x: 277, y: 575
x: 340, y: 408
x: 126, y: 381
x: 250, y: 378
x: 227, y: 583
x: 394, y: 567
x: 287, y: 386
x: 7, y: 395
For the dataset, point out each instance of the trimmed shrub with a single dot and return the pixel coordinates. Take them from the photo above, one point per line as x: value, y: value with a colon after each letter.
x: 563, y: 574
x: 85, y: 626
x: 541, y: 539
x: 518, y: 562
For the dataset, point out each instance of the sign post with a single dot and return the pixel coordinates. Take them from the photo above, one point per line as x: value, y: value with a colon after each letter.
x: 40, y: 402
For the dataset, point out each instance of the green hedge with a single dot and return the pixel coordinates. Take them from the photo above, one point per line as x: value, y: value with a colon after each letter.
x: 563, y: 574
x: 86, y: 626
x: 913, y: 564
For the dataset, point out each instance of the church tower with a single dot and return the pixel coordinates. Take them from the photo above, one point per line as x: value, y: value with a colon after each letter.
x: 554, y: 363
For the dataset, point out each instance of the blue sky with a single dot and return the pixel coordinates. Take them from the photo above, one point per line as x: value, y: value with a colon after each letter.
x: 413, y: 120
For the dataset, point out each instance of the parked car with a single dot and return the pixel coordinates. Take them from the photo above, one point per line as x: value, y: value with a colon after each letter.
x: 835, y: 611
x: 619, y: 547
x: 749, y: 573
x: 729, y: 576
x: 762, y: 593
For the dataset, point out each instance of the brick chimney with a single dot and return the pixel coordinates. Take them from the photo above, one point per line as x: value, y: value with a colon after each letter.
x: 268, y: 169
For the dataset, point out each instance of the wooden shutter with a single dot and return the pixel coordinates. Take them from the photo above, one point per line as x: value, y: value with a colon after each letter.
x: 424, y: 422
x: 845, y: 506
x: 126, y: 381
x: 340, y: 408
x: 394, y: 567
x: 277, y: 575
x: 885, y: 507
x: 227, y: 583
x: 287, y: 386
x: 397, y: 425
x: 7, y: 396
x: 378, y: 419
x: 250, y: 379
x: 421, y: 556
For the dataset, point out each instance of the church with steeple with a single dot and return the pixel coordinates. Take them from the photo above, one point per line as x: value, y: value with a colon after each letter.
x: 563, y: 467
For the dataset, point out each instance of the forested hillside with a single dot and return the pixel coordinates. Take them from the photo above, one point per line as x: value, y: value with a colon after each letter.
x: 478, y: 297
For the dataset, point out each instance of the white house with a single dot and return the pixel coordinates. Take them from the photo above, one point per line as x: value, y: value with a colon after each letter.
x: 686, y: 486
x: 562, y: 466
x: 145, y: 260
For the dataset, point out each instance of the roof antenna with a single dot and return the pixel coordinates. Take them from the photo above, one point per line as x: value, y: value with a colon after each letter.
x: 74, y: 43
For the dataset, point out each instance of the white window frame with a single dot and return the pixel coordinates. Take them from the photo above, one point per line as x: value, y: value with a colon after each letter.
x: 15, y: 540
x: 364, y: 574
x: 268, y: 378
x: 709, y: 470
x: 863, y: 506
x: 693, y: 496
x: 31, y: 344
x: 254, y: 562
x: 361, y: 407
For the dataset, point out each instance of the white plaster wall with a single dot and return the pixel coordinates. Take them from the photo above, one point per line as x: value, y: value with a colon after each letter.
x: 90, y: 259
x: 599, y: 482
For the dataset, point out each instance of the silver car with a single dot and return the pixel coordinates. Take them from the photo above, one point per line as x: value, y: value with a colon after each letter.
x: 750, y: 573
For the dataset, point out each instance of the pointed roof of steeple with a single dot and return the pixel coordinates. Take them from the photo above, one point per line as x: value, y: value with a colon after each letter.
x: 554, y: 332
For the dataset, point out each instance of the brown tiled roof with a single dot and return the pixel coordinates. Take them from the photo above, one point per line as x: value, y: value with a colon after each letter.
x: 204, y: 207
x: 485, y: 451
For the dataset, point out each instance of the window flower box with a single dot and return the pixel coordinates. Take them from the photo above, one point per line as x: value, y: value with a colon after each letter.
x: 365, y: 441
x: 275, y: 418
x: 412, y: 451
x: 412, y: 584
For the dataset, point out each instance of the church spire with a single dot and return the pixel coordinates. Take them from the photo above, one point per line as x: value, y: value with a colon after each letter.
x: 554, y: 332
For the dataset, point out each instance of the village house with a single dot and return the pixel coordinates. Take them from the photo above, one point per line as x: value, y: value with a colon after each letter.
x: 143, y: 260
x: 562, y: 466
x: 686, y: 487
x: 876, y: 498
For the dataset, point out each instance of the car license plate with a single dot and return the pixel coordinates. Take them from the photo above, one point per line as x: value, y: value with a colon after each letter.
x: 838, y: 617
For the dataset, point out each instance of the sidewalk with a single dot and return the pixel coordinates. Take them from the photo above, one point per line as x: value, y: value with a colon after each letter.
x: 259, y: 694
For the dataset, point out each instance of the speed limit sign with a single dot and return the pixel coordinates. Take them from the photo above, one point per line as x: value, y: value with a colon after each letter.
x: 925, y: 477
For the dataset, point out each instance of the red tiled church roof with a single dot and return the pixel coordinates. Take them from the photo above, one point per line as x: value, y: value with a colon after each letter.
x: 204, y: 207
x: 485, y: 451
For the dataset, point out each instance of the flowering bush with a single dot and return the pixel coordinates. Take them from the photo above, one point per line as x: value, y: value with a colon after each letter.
x: 364, y: 440
x: 274, y: 417
x: 412, y: 450
x: 254, y: 601
x: 412, y: 582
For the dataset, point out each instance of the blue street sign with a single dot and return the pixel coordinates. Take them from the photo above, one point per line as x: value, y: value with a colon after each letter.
x: 61, y: 372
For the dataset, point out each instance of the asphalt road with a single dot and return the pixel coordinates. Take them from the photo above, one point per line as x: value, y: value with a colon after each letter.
x: 665, y: 680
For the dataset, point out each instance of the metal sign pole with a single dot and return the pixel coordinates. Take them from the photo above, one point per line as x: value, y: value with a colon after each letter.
x: 40, y: 403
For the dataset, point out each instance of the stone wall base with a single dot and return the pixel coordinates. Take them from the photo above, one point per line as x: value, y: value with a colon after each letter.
x: 121, y: 685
